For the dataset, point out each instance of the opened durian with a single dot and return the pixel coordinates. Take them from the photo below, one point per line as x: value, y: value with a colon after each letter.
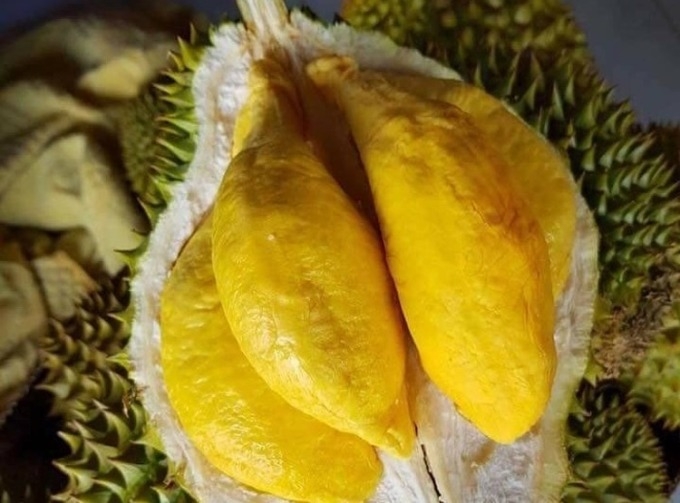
x: 298, y: 150
x: 114, y: 457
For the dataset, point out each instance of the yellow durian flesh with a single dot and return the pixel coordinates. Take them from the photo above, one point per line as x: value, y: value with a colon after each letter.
x: 537, y: 171
x: 302, y: 277
x: 465, y: 465
x: 240, y: 425
x: 468, y: 259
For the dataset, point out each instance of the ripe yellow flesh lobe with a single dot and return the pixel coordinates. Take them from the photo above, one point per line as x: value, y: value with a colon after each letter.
x: 302, y: 277
x: 242, y: 427
x: 539, y: 174
x: 469, y: 262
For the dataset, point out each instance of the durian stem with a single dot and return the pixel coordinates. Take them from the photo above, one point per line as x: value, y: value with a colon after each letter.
x: 264, y: 17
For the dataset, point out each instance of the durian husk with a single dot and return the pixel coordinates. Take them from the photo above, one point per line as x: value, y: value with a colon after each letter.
x: 113, y: 456
x: 473, y: 23
x: 219, y: 90
x: 603, y: 426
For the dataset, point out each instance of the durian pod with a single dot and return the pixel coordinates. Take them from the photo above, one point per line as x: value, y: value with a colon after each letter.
x: 556, y: 89
x: 219, y: 90
x: 614, y: 453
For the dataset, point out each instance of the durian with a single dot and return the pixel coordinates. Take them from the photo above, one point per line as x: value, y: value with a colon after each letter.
x: 613, y: 452
x: 192, y: 198
x: 157, y: 132
x: 75, y: 350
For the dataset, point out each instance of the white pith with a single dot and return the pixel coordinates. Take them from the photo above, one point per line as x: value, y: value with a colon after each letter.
x: 467, y: 467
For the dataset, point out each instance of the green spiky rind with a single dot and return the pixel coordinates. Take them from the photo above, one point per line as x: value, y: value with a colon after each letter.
x: 109, y: 460
x: 556, y: 89
x: 399, y: 19
x: 169, y: 129
x: 656, y: 385
x: 473, y: 23
x: 539, y: 24
x: 112, y: 457
x: 75, y: 350
x: 614, y: 453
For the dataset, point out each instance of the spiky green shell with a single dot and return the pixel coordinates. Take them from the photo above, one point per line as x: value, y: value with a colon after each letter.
x: 613, y: 452
x: 625, y: 181
x: 656, y: 386
x: 111, y: 456
x: 401, y: 20
x: 158, y: 130
x: 110, y: 459
x: 474, y: 23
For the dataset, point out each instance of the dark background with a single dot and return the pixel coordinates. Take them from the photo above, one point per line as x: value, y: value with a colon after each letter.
x: 636, y: 44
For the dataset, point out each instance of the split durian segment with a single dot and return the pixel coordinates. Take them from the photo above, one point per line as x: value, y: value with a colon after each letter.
x: 613, y: 452
x: 469, y: 261
x: 531, y: 162
x: 230, y: 413
x: 301, y: 274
